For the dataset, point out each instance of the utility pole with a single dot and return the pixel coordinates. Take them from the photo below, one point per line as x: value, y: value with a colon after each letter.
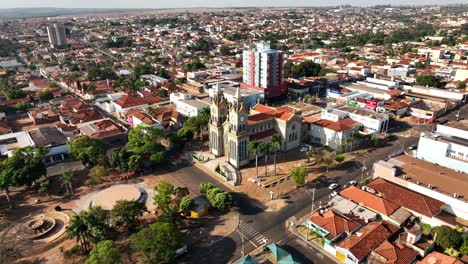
x: 242, y: 241
x: 363, y: 169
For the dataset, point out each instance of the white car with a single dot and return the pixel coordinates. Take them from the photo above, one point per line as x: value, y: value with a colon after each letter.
x: 303, y: 149
x: 353, y: 183
x: 333, y: 186
x: 333, y: 194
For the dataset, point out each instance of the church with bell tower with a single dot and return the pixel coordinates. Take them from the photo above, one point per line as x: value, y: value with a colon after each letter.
x: 232, y: 126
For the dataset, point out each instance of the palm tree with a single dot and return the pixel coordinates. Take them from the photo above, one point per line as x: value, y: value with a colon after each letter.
x: 78, y: 229
x: 66, y: 179
x: 309, y: 154
x: 276, y: 142
x: 254, y: 148
x: 265, y: 148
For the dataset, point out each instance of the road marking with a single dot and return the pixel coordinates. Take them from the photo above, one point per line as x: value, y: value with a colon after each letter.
x: 249, y: 233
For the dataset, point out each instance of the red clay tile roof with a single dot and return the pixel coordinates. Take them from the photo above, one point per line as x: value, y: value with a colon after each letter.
x: 263, y: 134
x: 85, y: 116
x: 371, y: 236
x: 439, y: 258
x: 283, y: 113
x: 335, y: 126
x: 255, y: 118
x: 141, y: 115
x: 334, y: 223
x: 104, y: 128
x: 4, y: 128
x: 369, y: 200
x: 396, y: 254
x: 130, y: 101
x: 406, y: 198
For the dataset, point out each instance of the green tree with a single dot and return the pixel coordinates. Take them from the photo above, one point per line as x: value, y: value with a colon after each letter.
x: 22, y: 106
x: 464, y: 246
x: 105, y: 252
x: 339, y: 158
x: 446, y: 237
x: 145, y: 141
x: 298, y: 174
x: 276, y: 143
x: 87, y: 149
x: 265, y: 148
x: 225, y: 50
x: 254, y: 149
x: 186, y: 203
x: 163, y: 194
x: 126, y: 213
x: 219, y: 198
x: 67, y: 180
x: 23, y: 168
x: 206, y: 186
x: 45, y: 95
x: 429, y: 80
x: 460, y: 86
x: 77, y: 228
x: 44, y: 187
x: 324, y: 157
x: 309, y: 154
x: 157, y: 243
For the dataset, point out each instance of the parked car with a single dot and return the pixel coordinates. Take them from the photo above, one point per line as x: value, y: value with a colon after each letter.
x: 333, y: 194
x: 303, y: 149
x: 412, y: 147
x: 333, y: 186
x: 353, y: 183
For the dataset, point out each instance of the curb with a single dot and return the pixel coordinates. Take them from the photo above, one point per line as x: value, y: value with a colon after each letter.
x: 316, y: 247
x: 237, y: 226
x: 213, y: 176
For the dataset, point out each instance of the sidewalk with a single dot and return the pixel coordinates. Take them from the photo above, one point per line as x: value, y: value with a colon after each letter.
x: 292, y: 229
x: 215, y: 229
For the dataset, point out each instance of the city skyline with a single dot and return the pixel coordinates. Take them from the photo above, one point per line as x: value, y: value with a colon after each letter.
x: 209, y: 3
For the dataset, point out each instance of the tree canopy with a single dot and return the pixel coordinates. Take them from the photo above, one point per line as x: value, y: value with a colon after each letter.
x: 298, y: 174
x: 429, y: 80
x: 23, y: 168
x: 145, y: 141
x: 87, y: 149
x: 157, y: 243
x: 104, y: 252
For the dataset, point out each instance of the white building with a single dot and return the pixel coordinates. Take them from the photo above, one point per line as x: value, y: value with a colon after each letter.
x: 57, y: 35
x: 186, y: 105
x: 250, y: 97
x: 263, y: 69
x: 448, y: 146
x: 372, y: 122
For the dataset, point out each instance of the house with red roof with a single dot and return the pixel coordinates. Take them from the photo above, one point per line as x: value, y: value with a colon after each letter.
x: 333, y: 227
x: 425, y: 208
x: 330, y: 133
x: 387, y: 210
x: 390, y: 253
x: 357, y: 247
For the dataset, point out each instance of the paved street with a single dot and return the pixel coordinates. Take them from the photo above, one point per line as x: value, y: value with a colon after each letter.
x: 258, y: 225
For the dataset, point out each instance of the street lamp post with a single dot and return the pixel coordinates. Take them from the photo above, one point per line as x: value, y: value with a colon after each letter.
x: 363, y: 169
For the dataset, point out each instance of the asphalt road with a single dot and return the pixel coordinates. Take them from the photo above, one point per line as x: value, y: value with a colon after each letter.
x: 259, y: 225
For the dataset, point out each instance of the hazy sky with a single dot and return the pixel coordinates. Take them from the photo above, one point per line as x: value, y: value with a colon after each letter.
x: 206, y: 3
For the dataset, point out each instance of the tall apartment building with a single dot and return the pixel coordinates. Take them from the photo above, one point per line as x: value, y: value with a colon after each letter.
x: 57, y: 35
x: 263, y: 70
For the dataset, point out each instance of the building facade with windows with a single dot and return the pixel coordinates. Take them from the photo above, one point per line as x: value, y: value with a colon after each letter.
x: 232, y: 126
x: 263, y: 70
x: 57, y: 35
x: 448, y: 146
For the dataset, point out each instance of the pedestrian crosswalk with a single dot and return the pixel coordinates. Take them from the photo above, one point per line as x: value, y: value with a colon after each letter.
x: 249, y: 233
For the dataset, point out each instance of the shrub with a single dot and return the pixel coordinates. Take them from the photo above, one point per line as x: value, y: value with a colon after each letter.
x: 446, y: 237
x: 206, y: 186
x: 426, y: 228
x: 340, y: 158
